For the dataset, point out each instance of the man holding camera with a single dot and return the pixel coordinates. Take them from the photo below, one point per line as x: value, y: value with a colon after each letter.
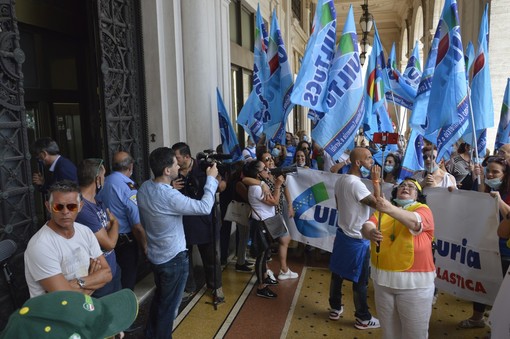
x: 199, y: 230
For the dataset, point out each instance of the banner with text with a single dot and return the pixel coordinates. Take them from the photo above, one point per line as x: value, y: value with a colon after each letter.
x: 468, y: 264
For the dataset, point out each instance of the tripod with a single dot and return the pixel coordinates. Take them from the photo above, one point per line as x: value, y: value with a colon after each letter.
x: 216, y: 226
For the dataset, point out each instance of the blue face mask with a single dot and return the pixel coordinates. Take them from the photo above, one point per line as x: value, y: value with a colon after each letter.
x: 388, y: 169
x: 403, y: 202
x: 493, y: 183
x: 275, y: 152
x: 364, y: 172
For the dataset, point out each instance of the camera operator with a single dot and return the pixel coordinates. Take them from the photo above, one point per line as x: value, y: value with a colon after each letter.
x: 199, y: 229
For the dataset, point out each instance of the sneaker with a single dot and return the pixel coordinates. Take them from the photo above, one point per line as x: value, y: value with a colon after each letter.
x: 218, y: 296
x: 367, y: 324
x: 266, y: 293
x: 287, y: 275
x: 270, y: 274
x: 243, y: 268
x: 335, y: 314
x: 269, y: 281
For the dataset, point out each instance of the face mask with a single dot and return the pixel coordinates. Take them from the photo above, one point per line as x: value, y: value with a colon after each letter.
x: 364, y: 172
x: 275, y: 152
x: 388, y: 169
x: 403, y: 202
x: 493, y: 183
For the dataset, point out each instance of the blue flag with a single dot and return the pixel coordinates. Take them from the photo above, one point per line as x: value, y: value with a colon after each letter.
x: 376, y: 117
x: 448, y: 96
x: 503, y: 135
x: 452, y: 95
x: 256, y: 109
x: 335, y: 129
x: 229, y: 140
x: 413, y: 157
x: 311, y: 84
x: 412, y: 73
x: 279, y: 86
x: 481, y: 89
x: 399, y: 88
x: 419, y: 119
x: 469, y: 57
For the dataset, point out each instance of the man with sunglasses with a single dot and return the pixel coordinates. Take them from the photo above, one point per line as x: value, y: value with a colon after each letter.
x: 64, y: 255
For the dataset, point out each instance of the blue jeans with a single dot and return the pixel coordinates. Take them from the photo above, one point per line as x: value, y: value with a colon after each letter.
x: 359, y: 290
x: 170, y: 279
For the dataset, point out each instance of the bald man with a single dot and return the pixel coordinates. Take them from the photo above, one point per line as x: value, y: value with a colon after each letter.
x: 504, y: 152
x: 350, y: 257
x: 119, y: 195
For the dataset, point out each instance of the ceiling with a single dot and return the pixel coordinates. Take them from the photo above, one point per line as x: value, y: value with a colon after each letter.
x: 388, y: 15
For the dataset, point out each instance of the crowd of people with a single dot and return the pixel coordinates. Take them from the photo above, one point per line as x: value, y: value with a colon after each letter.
x: 100, y: 227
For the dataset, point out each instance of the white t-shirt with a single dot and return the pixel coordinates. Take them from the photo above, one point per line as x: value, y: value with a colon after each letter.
x: 49, y: 254
x: 352, y: 214
x: 255, y: 198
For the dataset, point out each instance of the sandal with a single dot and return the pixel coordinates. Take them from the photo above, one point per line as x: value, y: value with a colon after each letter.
x: 335, y: 314
x: 470, y: 323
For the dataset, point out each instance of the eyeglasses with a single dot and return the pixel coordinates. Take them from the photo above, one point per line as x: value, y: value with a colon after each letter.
x: 427, y: 157
x: 268, y: 158
x: 60, y: 207
x: 408, y: 186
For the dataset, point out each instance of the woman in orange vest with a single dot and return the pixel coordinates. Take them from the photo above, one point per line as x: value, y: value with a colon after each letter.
x: 402, y: 264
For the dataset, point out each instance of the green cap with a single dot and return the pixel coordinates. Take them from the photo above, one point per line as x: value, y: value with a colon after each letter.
x: 66, y: 314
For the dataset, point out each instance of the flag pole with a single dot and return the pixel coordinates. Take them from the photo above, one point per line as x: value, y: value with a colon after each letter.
x: 475, y: 143
x: 396, y: 113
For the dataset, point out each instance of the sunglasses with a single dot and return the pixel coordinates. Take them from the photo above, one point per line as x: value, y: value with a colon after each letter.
x: 268, y: 158
x: 60, y: 207
x: 427, y: 157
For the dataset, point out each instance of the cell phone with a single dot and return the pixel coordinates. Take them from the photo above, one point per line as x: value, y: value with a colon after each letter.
x: 385, y: 138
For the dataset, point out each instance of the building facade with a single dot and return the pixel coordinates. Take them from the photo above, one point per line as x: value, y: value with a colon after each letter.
x: 102, y: 75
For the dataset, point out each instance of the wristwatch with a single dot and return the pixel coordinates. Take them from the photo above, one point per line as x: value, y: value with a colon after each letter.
x: 80, y: 282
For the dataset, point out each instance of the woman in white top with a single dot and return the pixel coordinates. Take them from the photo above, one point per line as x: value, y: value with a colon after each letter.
x: 263, y: 207
x: 433, y: 175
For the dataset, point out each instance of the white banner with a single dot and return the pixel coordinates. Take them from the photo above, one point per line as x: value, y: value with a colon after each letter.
x: 467, y: 256
x: 499, y: 319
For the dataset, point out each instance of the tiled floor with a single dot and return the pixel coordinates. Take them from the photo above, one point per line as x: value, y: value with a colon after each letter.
x: 300, y: 311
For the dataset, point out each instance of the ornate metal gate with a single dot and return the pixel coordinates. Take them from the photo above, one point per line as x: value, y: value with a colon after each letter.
x: 122, y: 82
x: 17, y: 207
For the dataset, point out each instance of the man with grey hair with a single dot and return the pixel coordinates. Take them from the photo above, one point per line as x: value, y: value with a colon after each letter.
x: 119, y: 195
x: 65, y: 255
x: 59, y: 168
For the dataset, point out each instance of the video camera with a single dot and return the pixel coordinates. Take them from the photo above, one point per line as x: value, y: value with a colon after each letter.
x: 283, y: 170
x: 208, y: 157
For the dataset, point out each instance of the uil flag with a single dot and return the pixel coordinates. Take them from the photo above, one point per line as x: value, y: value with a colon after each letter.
x: 448, y: 104
x: 481, y: 90
x: 255, y: 109
x: 279, y: 86
x: 311, y: 84
x: 228, y: 135
x: 413, y: 72
x: 335, y: 129
x: 398, y: 89
x: 503, y: 136
x: 419, y: 120
x: 413, y: 157
x: 376, y: 117
x: 469, y: 57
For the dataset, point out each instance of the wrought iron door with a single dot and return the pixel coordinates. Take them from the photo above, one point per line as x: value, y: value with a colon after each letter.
x: 17, y: 207
x: 118, y: 31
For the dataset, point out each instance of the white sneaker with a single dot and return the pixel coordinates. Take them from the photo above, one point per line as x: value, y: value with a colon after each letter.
x: 270, y: 274
x: 366, y: 324
x: 287, y: 275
